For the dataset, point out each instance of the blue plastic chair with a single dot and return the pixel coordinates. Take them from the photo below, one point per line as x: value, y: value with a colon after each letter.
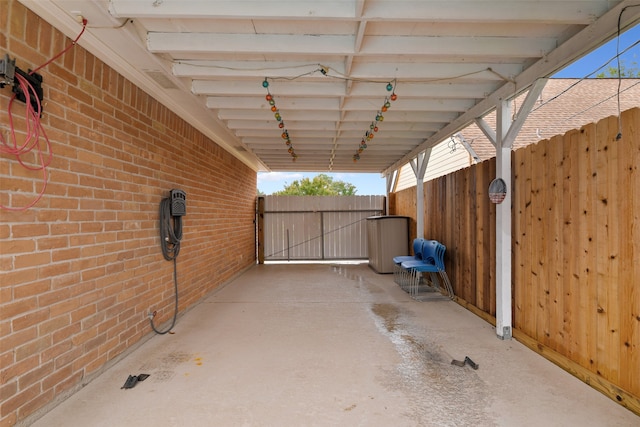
x: 398, y: 260
x: 428, y: 256
x: 432, y: 252
x: 417, y: 252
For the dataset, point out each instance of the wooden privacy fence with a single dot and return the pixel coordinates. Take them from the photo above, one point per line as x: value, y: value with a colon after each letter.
x: 575, y: 249
x: 315, y: 227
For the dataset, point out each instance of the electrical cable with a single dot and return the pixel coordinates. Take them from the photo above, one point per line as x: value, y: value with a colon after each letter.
x: 335, y: 74
x: 170, y: 237
x: 619, y: 69
x: 553, y: 98
x: 34, y: 129
x: 602, y: 101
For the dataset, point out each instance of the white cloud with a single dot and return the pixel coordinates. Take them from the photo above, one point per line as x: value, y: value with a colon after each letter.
x: 278, y: 176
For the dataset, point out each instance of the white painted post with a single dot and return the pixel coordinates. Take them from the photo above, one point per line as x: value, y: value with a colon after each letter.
x: 503, y: 225
x: 419, y: 166
x: 506, y: 132
x: 391, y: 179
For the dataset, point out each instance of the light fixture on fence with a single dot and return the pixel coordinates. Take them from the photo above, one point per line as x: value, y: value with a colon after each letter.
x: 497, y: 190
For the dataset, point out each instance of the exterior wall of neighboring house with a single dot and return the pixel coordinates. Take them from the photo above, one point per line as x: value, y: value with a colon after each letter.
x: 564, y: 104
x: 445, y: 157
x: 81, y: 270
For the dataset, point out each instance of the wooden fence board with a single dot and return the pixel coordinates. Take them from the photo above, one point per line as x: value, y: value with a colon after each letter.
x: 481, y: 255
x: 518, y: 202
x: 537, y: 242
x: 553, y: 221
x: 630, y: 335
x: 603, y: 251
x: 492, y: 245
x: 576, y: 246
x: 625, y: 224
x: 523, y: 284
x: 570, y: 242
x: 614, y: 304
x: 589, y: 245
x: 463, y: 251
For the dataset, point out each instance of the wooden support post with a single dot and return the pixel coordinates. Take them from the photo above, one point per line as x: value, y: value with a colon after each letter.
x: 506, y: 131
x: 260, y: 215
x: 503, y: 225
x: 419, y: 166
x: 391, y: 183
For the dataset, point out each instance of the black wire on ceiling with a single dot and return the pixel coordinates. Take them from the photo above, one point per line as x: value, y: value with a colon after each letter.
x: 619, y: 70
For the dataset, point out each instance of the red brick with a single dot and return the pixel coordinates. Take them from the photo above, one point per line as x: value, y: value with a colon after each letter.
x: 53, y: 271
x: 93, y: 273
x: 36, y: 375
x: 52, y: 297
x: 98, y: 219
x: 56, y: 350
x: 53, y: 324
x: 64, y: 229
x: 29, y: 230
x: 20, y: 399
x: 59, y: 242
x: 84, y: 336
x: 19, y: 368
x: 63, y: 307
x: 57, y: 377
x: 35, y: 404
x: 69, y: 383
x: 9, y: 420
x: 32, y: 260
x: 65, y: 254
x: 19, y: 307
x: 30, y: 319
x: 33, y: 347
x: 17, y: 246
x: 7, y: 390
x: 82, y: 313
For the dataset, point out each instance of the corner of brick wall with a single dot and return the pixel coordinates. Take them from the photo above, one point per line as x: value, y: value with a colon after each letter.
x: 83, y: 267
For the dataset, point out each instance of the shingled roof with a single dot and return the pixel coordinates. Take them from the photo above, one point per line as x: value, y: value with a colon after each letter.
x: 564, y: 104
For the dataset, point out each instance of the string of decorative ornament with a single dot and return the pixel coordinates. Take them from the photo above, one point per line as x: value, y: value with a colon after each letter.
x: 368, y: 136
x: 373, y: 127
x: 281, y: 125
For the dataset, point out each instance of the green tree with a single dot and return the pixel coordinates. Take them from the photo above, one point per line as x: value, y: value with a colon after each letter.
x: 320, y: 185
x: 631, y: 71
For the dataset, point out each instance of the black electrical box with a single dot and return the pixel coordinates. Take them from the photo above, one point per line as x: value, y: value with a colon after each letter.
x: 178, y: 203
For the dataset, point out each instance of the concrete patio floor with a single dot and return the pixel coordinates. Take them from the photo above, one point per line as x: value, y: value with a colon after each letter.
x: 332, y: 345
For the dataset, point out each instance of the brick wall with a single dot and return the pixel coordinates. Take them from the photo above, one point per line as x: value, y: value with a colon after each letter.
x: 83, y: 267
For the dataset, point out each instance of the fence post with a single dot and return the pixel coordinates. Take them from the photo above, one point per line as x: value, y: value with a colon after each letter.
x: 260, y: 215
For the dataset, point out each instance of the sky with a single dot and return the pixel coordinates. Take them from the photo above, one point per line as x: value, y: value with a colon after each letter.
x: 374, y: 184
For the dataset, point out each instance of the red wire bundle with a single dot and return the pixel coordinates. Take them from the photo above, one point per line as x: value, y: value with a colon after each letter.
x: 34, y: 130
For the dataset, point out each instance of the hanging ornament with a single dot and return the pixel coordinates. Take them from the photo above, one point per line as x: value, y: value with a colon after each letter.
x: 373, y: 127
x: 278, y: 116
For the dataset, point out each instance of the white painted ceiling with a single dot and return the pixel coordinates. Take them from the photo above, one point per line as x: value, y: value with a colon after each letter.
x: 328, y: 63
